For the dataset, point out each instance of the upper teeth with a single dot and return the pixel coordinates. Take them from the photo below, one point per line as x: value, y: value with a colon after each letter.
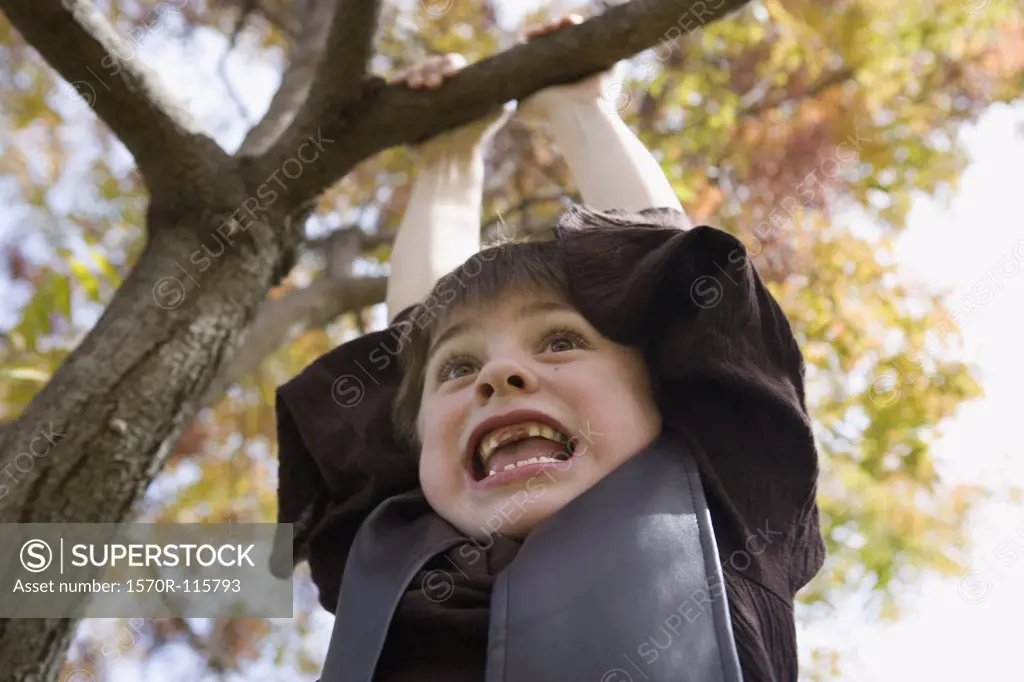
x: 507, y: 434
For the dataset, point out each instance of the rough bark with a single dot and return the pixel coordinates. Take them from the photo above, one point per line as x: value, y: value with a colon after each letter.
x: 217, y: 242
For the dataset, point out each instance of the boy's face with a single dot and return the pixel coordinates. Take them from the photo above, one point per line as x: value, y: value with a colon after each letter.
x: 513, y: 382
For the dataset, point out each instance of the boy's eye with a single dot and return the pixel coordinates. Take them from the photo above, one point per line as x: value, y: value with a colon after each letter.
x: 455, y: 369
x: 565, y: 340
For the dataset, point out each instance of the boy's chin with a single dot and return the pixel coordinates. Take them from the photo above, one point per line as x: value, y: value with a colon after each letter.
x: 522, y: 527
x: 518, y: 517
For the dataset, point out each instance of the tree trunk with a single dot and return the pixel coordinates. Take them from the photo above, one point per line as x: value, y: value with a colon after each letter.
x: 117, y: 406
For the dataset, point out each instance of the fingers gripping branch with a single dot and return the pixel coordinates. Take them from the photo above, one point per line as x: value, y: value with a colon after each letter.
x: 104, y: 72
x: 383, y: 116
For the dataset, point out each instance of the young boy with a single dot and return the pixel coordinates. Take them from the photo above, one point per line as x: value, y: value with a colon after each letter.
x: 519, y: 385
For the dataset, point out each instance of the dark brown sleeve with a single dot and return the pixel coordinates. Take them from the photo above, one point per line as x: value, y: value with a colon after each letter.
x: 727, y: 367
x: 337, y: 457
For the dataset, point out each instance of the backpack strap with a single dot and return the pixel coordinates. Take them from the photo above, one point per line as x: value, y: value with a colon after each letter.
x: 392, y: 545
x: 624, y: 583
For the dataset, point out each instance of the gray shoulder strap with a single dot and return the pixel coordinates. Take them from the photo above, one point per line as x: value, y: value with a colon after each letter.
x: 622, y: 584
x: 392, y: 545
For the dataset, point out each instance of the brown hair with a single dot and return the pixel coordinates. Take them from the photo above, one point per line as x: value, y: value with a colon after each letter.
x: 524, y: 266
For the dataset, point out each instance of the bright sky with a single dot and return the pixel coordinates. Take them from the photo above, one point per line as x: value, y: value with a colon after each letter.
x: 968, y: 627
x: 953, y: 629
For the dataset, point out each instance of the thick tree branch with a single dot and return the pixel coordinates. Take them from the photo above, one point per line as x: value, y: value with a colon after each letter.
x: 388, y: 115
x: 104, y: 69
x: 342, y: 68
x: 307, y: 50
x: 349, y: 49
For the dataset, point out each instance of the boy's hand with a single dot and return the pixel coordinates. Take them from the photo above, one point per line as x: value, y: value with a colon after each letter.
x: 535, y: 109
x: 430, y: 75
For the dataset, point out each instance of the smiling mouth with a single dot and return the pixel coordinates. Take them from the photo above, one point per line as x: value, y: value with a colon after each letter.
x: 520, y: 445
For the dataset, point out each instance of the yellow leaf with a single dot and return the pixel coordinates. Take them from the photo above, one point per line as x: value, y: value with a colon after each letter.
x: 86, y: 277
x: 105, y: 266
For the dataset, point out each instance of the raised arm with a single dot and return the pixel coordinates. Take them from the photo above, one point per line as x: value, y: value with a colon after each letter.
x: 610, y: 165
x: 441, y: 225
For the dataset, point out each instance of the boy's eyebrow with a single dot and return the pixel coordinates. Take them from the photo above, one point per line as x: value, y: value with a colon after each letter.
x: 527, y: 310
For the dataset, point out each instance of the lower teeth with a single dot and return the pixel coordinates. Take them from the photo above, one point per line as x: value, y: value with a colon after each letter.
x: 532, y: 460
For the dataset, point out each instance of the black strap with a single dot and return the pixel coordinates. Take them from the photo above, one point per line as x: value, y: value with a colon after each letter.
x: 624, y: 583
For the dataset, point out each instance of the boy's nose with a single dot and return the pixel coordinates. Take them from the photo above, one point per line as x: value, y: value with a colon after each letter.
x: 504, y: 377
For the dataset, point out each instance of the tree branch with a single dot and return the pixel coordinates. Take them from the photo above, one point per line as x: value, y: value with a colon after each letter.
x: 307, y: 51
x: 812, y: 90
x: 248, y: 9
x: 279, y: 321
x: 492, y: 225
x: 369, y: 242
x: 342, y: 67
x: 333, y: 294
x: 80, y: 44
x: 389, y: 115
x: 349, y: 49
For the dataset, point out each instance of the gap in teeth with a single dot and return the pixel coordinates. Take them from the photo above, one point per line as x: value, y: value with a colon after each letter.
x: 503, y: 436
